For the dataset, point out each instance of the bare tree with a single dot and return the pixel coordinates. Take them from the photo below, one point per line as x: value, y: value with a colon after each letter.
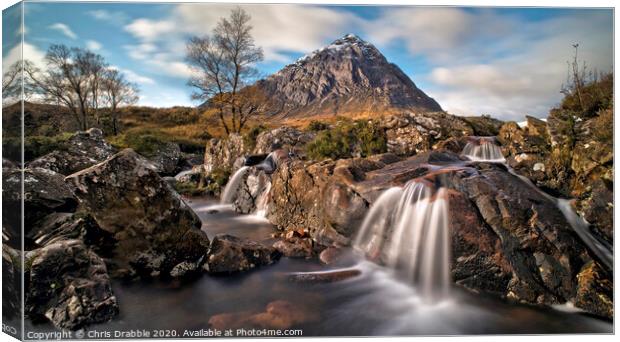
x: 98, y: 67
x: 224, y: 64
x: 16, y: 79
x: 117, y: 91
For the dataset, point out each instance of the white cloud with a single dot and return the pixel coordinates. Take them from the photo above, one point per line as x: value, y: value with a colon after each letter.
x: 526, y: 77
x: 93, y: 45
x: 133, y: 77
x: 478, y: 61
x: 277, y: 29
x: 30, y: 52
x: 64, y: 29
x: 117, y: 18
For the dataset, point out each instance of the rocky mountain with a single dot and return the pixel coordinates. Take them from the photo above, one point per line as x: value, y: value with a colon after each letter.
x: 347, y: 76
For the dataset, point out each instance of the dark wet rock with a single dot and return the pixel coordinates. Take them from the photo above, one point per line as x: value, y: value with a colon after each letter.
x: 82, y: 150
x: 595, y: 290
x: 282, y: 138
x: 45, y: 192
x: 279, y: 314
x: 68, y: 285
x: 513, y: 240
x: 229, y: 254
x: 8, y: 164
x: 167, y: 159
x: 254, y: 159
x: 221, y: 154
x: 295, y: 247
x: 149, y: 220
x: 411, y: 133
x: 11, y: 282
x: 323, y: 277
x: 68, y: 226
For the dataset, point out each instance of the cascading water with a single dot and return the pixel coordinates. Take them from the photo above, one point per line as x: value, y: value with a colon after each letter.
x: 261, y: 203
x: 483, y: 149
x: 411, y: 226
x: 233, y: 185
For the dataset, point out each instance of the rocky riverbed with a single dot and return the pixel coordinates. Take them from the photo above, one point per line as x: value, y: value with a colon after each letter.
x: 116, y: 239
x: 285, y: 296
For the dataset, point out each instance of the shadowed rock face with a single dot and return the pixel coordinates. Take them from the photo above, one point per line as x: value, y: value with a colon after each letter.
x: 45, y: 192
x: 68, y: 285
x: 325, y: 81
x: 154, y: 229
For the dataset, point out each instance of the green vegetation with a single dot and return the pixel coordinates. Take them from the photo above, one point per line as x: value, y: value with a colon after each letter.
x: 34, y: 146
x: 249, y: 137
x: 316, y: 126
x: 348, y: 139
x: 189, y: 188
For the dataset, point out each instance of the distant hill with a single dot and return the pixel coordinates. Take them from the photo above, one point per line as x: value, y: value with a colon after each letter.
x: 349, y: 76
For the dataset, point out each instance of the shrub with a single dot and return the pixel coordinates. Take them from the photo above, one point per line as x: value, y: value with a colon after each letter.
x: 249, y: 138
x: 316, y: 126
x: 144, y: 141
x: 34, y: 146
x: 348, y: 139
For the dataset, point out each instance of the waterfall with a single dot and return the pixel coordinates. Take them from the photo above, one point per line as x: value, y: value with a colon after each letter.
x: 581, y: 227
x: 233, y: 185
x: 483, y: 149
x: 261, y: 202
x: 411, y: 226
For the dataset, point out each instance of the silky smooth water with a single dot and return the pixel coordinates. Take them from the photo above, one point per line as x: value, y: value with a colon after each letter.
x: 411, y: 227
x: 228, y: 196
x: 377, y: 302
x: 483, y: 149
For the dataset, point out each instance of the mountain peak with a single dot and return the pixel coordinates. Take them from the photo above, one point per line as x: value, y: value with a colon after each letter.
x: 349, y: 75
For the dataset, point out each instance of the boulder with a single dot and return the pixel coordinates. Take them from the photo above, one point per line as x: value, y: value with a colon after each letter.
x: 11, y: 282
x: 82, y: 150
x: 222, y: 153
x: 68, y: 226
x: 167, y: 159
x: 295, y: 247
x: 411, y: 133
x: 129, y: 200
x: 45, y: 192
x: 230, y: 254
x: 282, y: 138
x: 68, y: 285
x: 484, y: 125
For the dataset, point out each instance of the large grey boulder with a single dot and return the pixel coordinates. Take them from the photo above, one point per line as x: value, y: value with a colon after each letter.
x: 153, y: 227
x: 222, y: 153
x: 82, y: 150
x: 68, y: 285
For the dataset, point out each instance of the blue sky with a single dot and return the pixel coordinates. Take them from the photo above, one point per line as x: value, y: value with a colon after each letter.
x: 504, y: 62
